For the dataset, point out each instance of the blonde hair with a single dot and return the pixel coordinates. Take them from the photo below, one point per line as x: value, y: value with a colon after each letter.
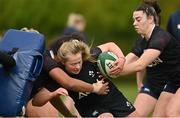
x: 74, y: 47
x: 74, y: 18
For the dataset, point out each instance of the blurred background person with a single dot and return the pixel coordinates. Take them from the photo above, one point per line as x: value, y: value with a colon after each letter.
x: 173, y: 25
x: 76, y: 23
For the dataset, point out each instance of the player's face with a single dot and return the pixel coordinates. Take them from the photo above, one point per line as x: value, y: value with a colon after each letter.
x: 74, y: 63
x: 81, y: 26
x: 140, y: 22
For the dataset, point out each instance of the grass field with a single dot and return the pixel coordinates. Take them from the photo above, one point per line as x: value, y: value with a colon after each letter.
x: 128, y: 88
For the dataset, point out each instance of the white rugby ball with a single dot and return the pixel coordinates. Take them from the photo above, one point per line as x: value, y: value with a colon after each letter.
x: 104, y: 63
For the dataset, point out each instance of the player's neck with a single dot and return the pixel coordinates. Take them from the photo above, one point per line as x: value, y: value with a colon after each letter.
x: 149, y: 32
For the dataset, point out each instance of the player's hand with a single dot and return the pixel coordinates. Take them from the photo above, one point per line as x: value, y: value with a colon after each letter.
x: 100, y: 76
x: 117, y: 67
x: 61, y: 91
x: 101, y: 88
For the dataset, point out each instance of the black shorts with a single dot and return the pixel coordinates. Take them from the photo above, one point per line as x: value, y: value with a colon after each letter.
x: 150, y: 90
x: 173, y: 83
x: 172, y: 86
x: 117, y: 105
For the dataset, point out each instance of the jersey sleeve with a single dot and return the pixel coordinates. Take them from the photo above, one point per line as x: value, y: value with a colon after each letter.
x: 49, y: 62
x: 159, y: 41
x: 96, y: 52
x: 137, y: 49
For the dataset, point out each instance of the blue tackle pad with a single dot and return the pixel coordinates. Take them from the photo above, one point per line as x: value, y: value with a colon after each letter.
x: 16, y: 83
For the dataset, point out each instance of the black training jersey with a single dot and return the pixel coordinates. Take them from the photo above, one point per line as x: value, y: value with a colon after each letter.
x: 87, y: 100
x: 89, y: 75
x: 44, y: 78
x: 153, y: 78
x: 167, y: 64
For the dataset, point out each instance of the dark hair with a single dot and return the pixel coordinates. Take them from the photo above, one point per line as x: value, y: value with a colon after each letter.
x: 155, y: 5
x: 54, y: 46
x: 148, y: 10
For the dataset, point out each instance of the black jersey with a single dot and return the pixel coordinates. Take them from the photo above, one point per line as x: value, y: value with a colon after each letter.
x: 167, y: 64
x: 89, y: 75
x: 86, y: 101
x: 44, y: 78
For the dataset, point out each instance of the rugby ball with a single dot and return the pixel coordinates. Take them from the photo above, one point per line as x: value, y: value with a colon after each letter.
x: 105, y: 63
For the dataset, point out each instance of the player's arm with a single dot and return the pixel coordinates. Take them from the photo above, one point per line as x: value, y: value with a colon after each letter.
x: 55, y: 72
x: 112, y: 47
x: 131, y: 57
x: 61, y: 107
x: 139, y: 78
x: 77, y: 85
x: 43, y: 96
x: 147, y: 57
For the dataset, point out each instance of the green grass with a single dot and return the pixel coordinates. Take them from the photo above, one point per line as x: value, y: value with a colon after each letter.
x: 128, y: 88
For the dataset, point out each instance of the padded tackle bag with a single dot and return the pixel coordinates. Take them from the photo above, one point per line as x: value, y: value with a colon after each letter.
x: 16, y: 83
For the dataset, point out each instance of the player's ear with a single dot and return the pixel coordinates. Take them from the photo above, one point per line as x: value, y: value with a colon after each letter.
x: 150, y: 19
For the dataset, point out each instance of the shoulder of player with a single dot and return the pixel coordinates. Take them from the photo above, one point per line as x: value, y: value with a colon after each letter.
x: 160, y: 33
x: 49, y: 62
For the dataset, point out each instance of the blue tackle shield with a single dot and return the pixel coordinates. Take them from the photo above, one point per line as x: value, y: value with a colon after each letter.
x: 16, y: 84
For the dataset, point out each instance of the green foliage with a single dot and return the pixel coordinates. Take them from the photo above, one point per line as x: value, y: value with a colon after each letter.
x: 107, y: 20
